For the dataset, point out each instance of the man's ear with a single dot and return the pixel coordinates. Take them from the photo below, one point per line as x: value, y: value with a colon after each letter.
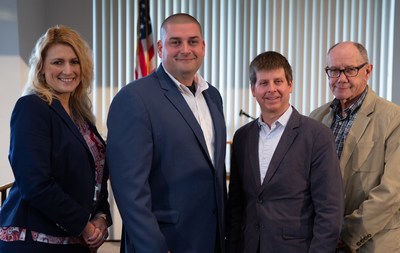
x: 368, y: 70
x: 290, y: 84
x: 159, y: 48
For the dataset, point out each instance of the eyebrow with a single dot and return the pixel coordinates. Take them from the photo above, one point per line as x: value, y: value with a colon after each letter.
x: 63, y: 59
x: 179, y: 38
x: 345, y: 67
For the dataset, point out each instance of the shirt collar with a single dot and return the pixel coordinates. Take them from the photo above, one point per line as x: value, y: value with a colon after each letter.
x: 201, y: 84
x: 336, y: 107
x: 283, y: 119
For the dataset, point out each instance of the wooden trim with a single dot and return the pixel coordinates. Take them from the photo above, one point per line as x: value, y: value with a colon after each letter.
x: 228, y: 176
x: 5, y: 186
x: 3, y: 191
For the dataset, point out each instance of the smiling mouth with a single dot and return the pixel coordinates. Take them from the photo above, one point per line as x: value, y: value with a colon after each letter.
x: 342, y: 88
x: 271, y: 98
x: 185, y: 59
x: 66, y: 80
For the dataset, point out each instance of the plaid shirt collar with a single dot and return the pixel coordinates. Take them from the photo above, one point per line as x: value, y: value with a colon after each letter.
x: 352, y: 109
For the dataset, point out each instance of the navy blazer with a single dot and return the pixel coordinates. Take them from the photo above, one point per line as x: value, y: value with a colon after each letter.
x: 299, y: 206
x: 169, y: 194
x: 54, y: 171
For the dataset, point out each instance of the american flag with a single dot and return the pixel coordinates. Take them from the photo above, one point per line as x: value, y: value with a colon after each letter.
x: 145, y: 59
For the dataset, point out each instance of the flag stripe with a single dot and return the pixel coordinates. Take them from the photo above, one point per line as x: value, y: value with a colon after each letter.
x: 145, y: 57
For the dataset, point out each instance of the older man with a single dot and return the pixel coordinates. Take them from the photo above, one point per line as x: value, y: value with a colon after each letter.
x: 367, y: 131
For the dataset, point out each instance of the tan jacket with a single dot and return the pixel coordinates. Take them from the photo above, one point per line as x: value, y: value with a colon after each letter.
x: 370, y: 164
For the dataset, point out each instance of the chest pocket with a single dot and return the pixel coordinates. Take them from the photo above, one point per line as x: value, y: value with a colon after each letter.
x: 364, y: 156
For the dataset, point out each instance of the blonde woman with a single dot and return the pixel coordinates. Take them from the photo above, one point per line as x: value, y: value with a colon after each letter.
x: 58, y: 202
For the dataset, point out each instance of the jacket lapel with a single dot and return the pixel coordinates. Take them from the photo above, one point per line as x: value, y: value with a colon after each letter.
x: 175, y: 97
x: 57, y: 107
x: 251, y: 151
x: 358, y: 128
x: 328, y: 118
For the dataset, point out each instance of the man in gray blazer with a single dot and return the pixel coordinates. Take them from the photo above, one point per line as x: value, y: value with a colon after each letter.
x: 367, y: 131
x: 285, y: 191
x: 166, y: 151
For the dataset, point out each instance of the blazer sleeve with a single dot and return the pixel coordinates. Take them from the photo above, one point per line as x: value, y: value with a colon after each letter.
x: 235, y: 200
x: 129, y: 157
x: 379, y: 162
x: 326, y: 191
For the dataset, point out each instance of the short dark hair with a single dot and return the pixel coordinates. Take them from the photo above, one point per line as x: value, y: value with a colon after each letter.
x: 269, y: 61
x: 178, y: 18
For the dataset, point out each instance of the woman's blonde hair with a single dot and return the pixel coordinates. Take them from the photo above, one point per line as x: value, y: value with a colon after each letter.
x: 80, y: 104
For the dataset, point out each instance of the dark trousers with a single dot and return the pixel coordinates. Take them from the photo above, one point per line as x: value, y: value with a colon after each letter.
x: 122, y: 245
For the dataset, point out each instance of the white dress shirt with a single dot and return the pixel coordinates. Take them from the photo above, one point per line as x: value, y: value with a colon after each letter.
x: 269, y: 139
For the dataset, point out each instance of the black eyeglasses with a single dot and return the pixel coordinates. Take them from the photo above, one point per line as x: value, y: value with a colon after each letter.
x: 349, y: 72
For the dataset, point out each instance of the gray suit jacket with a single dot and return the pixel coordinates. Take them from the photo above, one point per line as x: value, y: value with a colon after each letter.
x: 371, y: 174
x: 299, y: 206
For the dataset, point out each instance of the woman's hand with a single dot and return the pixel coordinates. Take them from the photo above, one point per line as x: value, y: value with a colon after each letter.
x: 101, y: 226
x: 95, y: 233
x: 100, y: 223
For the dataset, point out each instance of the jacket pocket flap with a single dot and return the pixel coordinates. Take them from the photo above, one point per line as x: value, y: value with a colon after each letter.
x: 166, y: 216
x: 300, y: 233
